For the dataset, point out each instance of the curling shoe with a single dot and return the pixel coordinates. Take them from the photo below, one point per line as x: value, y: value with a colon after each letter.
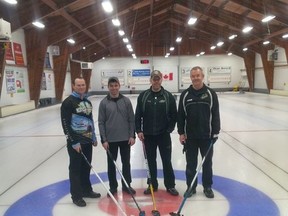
x: 188, y: 195
x: 92, y: 194
x: 128, y: 190
x: 113, y: 191
x: 208, y: 192
x: 172, y: 191
x: 148, y: 191
x: 79, y: 202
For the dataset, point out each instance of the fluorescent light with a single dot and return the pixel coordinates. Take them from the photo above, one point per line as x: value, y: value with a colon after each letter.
x: 125, y: 40
x: 268, y: 18
x: 83, y: 47
x: 220, y: 43
x: 232, y: 37
x: 107, y: 6
x: 121, y: 32
x: 130, y: 50
x: 38, y: 24
x: 202, y: 53
x: 116, y: 22
x: 247, y: 29
x: 192, y: 20
x: 172, y: 48
x: 178, y: 39
x: 285, y: 36
x: 230, y: 53
x: 71, y: 40
x: 245, y: 49
x: 197, y: 55
x: 129, y: 46
x: 213, y: 47
x: 266, y: 42
x: 11, y: 1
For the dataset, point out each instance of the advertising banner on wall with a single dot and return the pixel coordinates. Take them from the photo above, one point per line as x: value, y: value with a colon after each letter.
x: 19, y: 60
x: 106, y: 73
x: 46, y: 83
x: 138, y: 77
x: 20, y: 82
x: 219, y: 74
x: 10, y: 81
x: 47, y: 61
x: 9, y: 57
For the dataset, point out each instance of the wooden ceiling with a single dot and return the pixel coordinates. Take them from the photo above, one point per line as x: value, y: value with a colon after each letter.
x: 152, y: 25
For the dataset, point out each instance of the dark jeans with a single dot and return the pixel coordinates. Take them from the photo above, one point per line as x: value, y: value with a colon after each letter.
x: 163, y: 142
x: 125, y: 159
x: 79, y: 171
x: 192, y: 148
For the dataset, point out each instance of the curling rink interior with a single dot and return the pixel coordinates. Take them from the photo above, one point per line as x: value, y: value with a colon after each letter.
x: 250, y: 165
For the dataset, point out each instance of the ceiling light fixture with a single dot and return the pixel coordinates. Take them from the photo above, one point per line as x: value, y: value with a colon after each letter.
x: 178, y: 39
x: 220, y: 43
x: 213, y: 47
x: 230, y: 53
x: 202, y: 53
x: 232, y: 36
x: 107, y: 6
x: 11, y: 1
x: 285, y: 36
x: 71, y: 41
x: 247, y: 29
x: 192, y: 20
x: 245, y: 49
x: 266, y: 42
x: 38, y: 24
x: 116, y: 22
x: 171, y: 48
x: 129, y: 46
x: 268, y: 18
x: 125, y: 40
x: 121, y: 32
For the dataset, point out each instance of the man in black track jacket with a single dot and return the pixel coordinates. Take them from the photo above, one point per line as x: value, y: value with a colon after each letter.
x: 198, y: 127
x: 155, y: 119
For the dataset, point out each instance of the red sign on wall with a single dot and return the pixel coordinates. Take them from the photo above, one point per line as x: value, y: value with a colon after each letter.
x: 19, y: 60
x: 9, y: 53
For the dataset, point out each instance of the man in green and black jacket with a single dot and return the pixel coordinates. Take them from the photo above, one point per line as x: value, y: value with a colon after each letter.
x: 155, y: 119
x: 198, y: 127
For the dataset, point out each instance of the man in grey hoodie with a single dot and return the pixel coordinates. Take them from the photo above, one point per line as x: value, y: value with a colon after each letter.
x: 117, y: 131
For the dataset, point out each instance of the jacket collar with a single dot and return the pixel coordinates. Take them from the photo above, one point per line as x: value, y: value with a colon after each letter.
x: 77, y: 95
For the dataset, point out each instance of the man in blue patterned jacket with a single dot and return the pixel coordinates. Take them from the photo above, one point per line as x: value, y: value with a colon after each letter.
x: 78, y: 126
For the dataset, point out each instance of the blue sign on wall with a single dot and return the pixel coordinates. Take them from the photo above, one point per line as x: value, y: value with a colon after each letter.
x: 140, y: 72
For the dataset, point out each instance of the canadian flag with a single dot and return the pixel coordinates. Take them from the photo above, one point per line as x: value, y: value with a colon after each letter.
x: 168, y: 76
